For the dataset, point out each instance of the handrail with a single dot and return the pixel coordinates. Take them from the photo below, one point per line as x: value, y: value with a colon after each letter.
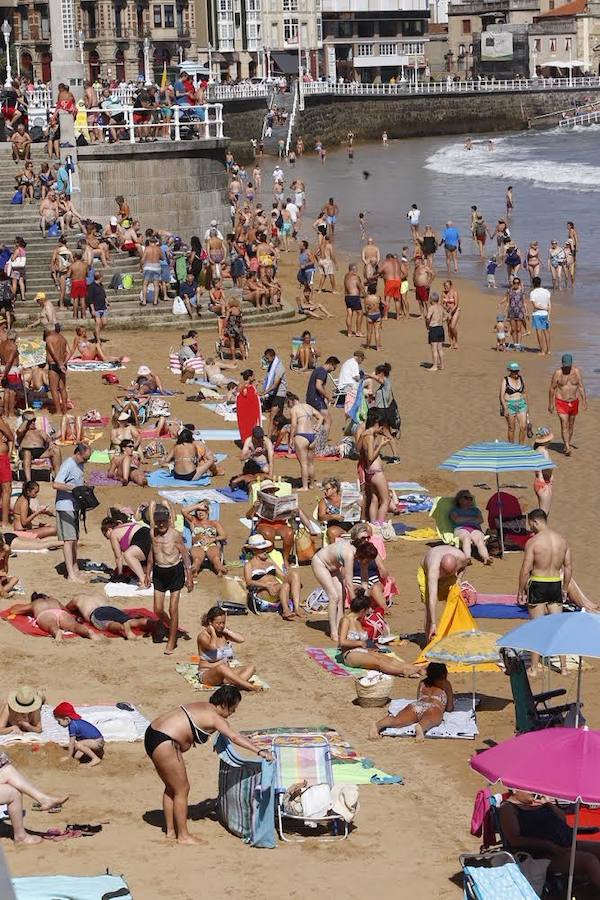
x: 448, y: 86
x: 237, y: 91
x: 292, y: 121
x: 211, y: 121
x: 580, y: 119
x: 568, y: 109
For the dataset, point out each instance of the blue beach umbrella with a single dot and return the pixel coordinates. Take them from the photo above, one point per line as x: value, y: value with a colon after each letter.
x: 496, y: 457
x: 577, y: 634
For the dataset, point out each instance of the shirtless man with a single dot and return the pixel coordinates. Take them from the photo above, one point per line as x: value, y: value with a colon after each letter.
x: 11, y: 379
x: 49, y: 213
x: 169, y: 563
x: 371, y: 257
x: 327, y: 263
x: 217, y: 253
x: 331, y: 213
x: 440, y: 569
x: 354, y: 291
x: 435, y: 317
x: 51, y: 616
x: 566, y: 388
x: 392, y: 281
x: 35, y: 444
x: 403, y: 263
x: 423, y: 276
x: 93, y: 608
x: 131, y: 242
x: 57, y: 352
x: 257, y: 456
x: 540, y: 582
x: 21, y: 144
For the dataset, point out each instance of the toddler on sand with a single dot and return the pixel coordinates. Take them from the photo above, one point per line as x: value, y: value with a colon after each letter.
x: 84, y: 738
x: 491, y: 272
x: 500, y: 329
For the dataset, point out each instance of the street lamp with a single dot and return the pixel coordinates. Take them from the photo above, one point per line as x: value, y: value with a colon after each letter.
x: 6, y: 30
x: 147, y: 60
x: 209, y: 50
x: 81, y: 37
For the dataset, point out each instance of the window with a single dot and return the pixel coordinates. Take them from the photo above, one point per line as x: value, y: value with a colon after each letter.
x: 567, y: 44
x: 366, y: 29
x: 345, y: 29
x: 364, y: 50
x: 68, y: 20
x: 552, y: 46
x: 388, y: 49
x: 290, y: 31
x: 537, y: 45
x: 24, y: 25
x: 157, y: 10
x: 413, y: 27
x: 388, y: 29
x: 461, y: 49
x: 290, y: 5
x: 226, y: 6
x: 319, y: 30
x: 551, y: 4
x: 253, y: 6
x: 169, y: 16
x: 466, y: 26
x: 254, y: 38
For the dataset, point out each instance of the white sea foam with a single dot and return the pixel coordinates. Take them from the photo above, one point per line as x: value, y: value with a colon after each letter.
x: 514, y: 161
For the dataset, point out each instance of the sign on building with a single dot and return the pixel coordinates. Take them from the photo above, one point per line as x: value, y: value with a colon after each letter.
x: 496, y: 45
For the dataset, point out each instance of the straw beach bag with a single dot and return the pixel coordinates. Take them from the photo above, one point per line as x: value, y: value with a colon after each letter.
x: 373, y: 689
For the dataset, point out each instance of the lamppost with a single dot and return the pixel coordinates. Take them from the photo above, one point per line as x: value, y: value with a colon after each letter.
x: 209, y: 50
x: 18, y: 58
x: 268, y: 53
x: 81, y: 38
x: 6, y: 30
x: 147, y: 60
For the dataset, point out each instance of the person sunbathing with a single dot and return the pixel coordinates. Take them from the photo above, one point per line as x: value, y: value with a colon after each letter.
x: 257, y: 457
x: 124, y: 429
x: 146, y: 382
x: 467, y: 519
x: 24, y: 514
x: 7, y: 584
x: 359, y: 650
x: 51, y: 616
x: 208, y: 537
x: 126, y: 465
x: 83, y: 348
x: 12, y: 787
x: 71, y: 429
x: 217, y: 655
x: 130, y: 543
x: 434, y: 698
x: 265, y: 577
x: 329, y: 510
x: 305, y: 357
x: 93, y: 608
x: 21, y: 712
x: 34, y: 444
x: 189, y: 464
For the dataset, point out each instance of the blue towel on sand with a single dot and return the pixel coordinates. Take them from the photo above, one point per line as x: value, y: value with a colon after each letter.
x: 401, y: 528
x: 51, y: 887
x: 498, y: 611
x: 163, y: 478
x: 235, y: 494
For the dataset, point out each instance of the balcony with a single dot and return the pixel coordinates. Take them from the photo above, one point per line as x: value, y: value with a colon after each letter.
x: 386, y: 53
x: 487, y: 7
x: 125, y: 34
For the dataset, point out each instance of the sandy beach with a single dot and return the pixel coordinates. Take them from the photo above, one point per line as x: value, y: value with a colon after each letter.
x: 407, y: 837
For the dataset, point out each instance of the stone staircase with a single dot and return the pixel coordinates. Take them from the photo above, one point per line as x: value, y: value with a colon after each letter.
x: 126, y: 312
x: 280, y: 132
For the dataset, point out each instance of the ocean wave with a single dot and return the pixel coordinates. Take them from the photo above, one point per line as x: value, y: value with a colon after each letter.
x: 514, y: 163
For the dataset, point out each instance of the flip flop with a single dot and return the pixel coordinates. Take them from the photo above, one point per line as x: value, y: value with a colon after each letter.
x: 482, y: 485
x: 37, y: 806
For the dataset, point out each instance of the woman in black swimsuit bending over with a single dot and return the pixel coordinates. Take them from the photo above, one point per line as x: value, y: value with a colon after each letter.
x: 172, y: 734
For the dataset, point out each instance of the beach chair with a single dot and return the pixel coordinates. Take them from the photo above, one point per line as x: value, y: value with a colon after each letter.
x: 494, y: 876
x: 440, y: 513
x: 532, y: 712
x: 304, y: 758
x: 215, y: 515
x: 339, y: 395
x: 513, y: 518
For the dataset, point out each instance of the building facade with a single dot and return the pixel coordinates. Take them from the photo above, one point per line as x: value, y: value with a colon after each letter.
x: 565, y: 40
x: 472, y: 17
x: 375, y: 40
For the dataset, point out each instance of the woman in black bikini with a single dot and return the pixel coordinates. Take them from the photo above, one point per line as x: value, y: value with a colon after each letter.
x: 187, y: 464
x: 172, y: 734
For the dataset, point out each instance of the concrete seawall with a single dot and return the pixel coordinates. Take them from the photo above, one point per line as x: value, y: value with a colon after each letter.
x: 178, y: 185
x: 243, y: 120
x: 331, y: 117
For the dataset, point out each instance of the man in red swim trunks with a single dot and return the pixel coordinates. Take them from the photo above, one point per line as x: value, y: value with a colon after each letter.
x: 423, y: 275
x: 390, y: 271
x: 566, y: 388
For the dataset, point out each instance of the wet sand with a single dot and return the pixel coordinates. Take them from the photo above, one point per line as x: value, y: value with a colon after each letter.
x: 407, y: 838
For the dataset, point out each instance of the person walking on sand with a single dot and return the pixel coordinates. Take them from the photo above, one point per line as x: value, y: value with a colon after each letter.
x: 57, y: 352
x: 451, y: 242
x: 541, y: 585
x: 69, y: 476
x: 435, y: 317
x: 169, y: 563
x: 172, y: 734
x: 566, y: 389
x: 541, y: 307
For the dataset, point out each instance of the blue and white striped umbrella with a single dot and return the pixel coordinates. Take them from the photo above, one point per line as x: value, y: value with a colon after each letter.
x: 497, y: 456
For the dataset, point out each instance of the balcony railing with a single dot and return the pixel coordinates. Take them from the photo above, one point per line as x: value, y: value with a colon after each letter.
x: 357, y: 89
x: 219, y: 92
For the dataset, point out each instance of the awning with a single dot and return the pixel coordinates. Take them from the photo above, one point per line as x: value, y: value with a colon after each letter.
x: 287, y: 63
x: 562, y: 64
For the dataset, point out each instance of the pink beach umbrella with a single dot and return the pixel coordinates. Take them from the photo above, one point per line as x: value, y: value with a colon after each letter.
x: 561, y: 763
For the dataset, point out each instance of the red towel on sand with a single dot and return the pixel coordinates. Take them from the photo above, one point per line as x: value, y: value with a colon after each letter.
x: 27, y: 625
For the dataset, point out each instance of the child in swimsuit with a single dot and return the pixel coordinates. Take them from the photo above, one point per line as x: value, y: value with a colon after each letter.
x: 434, y: 697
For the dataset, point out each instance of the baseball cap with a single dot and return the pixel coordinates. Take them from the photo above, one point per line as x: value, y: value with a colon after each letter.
x: 567, y: 359
x: 65, y: 710
x: 514, y: 367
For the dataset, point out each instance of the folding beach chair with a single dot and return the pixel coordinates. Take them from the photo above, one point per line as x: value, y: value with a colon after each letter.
x: 514, y: 522
x: 440, y: 513
x: 215, y: 515
x: 494, y: 876
x: 304, y: 758
x: 296, y: 344
x: 339, y: 396
x: 532, y: 712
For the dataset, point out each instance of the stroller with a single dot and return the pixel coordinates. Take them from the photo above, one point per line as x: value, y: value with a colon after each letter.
x: 189, y: 118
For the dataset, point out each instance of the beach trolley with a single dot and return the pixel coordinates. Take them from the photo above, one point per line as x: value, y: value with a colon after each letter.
x: 494, y: 876
x: 301, y: 758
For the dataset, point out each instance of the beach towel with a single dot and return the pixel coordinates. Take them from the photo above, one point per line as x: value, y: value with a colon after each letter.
x: 408, y: 487
x: 234, y: 495
x: 69, y: 887
x: 420, y: 534
x: 456, y: 617
x: 498, y: 611
x: 495, y: 599
x: 225, y: 410
x: 330, y: 659
x: 402, y: 528
x: 120, y: 589
x: 116, y: 725
x: 282, y: 450
x: 27, y: 624
x: 270, y: 375
x: 217, y: 434
x: 189, y: 671
x: 164, y: 478
x: 246, y: 803
x: 93, y: 365
x: 186, y: 497
x: 92, y: 418
x: 460, y: 724
x: 100, y: 456
x: 99, y: 478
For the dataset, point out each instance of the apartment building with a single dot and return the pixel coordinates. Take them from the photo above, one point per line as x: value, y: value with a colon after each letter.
x: 472, y: 17
x: 375, y: 40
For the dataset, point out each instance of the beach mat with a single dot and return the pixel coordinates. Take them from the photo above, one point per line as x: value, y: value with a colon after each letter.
x: 217, y: 434
x: 184, y: 497
x: 235, y: 495
x: 71, y: 887
x: 93, y: 365
x: 498, y: 611
x: 282, y: 451
x: 116, y: 725
x: 99, y: 478
x: 100, y: 456
x: 458, y: 725
x: 189, y: 671
x: 408, y: 487
x: 163, y: 478
x: 27, y: 624
x: 330, y: 659
x: 122, y: 589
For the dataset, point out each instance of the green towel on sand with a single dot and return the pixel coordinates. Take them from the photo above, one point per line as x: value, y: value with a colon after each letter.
x: 189, y: 671
x: 100, y: 456
x: 346, y: 771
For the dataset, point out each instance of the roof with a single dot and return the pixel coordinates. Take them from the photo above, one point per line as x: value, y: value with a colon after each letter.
x: 575, y: 8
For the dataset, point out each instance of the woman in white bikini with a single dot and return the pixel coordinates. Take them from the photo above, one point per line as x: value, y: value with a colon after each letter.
x: 332, y: 567
x: 264, y: 576
x: 217, y: 654
x: 434, y: 698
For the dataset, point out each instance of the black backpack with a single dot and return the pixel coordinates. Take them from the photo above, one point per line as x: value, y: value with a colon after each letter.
x: 84, y: 499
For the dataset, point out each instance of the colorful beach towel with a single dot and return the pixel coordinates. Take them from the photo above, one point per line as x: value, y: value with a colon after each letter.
x: 236, y: 495
x: 93, y: 365
x: 189, y: 671
x: 100, y: 456
x: 185, y: 497
x: 330, y: 659
x: 164, y: 478
x: 460, y: 724
x: 27, y: 624
x: 217, y: 434
x: 99, y: 478
x: 125, y: 725
x: 408, y: 487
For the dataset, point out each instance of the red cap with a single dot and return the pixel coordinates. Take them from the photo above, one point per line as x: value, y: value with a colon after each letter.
x: 65, y: 710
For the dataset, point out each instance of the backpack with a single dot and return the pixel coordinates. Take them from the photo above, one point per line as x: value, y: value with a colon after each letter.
x: 116, y: 282
x: 317, y: 601
x: 17, y: 198
x: 127, y: 281
x: 84, y: 499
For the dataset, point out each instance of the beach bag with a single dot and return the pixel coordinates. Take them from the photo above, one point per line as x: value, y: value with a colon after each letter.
x: 53, y: 230
x: 305, y: 549
x: 127, y: 281
x: 257, y: 604
x: 179, y: 307
x: 233, y: 609
x: 534, y: 870
x: 233, y: 589
x: 317, y: 601
x: 116, y: 282
x: 17, y: 198
x: 374, y: 624
x: 373, y: 689
x: 468, y: 593
x: 84, y: 499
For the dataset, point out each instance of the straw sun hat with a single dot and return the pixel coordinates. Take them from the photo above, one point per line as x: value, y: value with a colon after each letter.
x: 24, y: 699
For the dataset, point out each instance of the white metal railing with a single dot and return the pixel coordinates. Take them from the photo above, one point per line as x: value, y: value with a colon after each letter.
x: 220, y: 92
x: 41, y: 97
x: 355, y: 88
x: 586, y: 118
x: 203, y: 122
x: 291, y: 121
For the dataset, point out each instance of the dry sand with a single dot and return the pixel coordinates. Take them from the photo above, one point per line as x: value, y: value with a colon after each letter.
x: 407, y: 838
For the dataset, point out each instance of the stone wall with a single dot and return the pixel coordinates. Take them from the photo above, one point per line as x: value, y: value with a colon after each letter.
x: 330, y: 118
x: 179, y: 186
x: 243, y: 120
